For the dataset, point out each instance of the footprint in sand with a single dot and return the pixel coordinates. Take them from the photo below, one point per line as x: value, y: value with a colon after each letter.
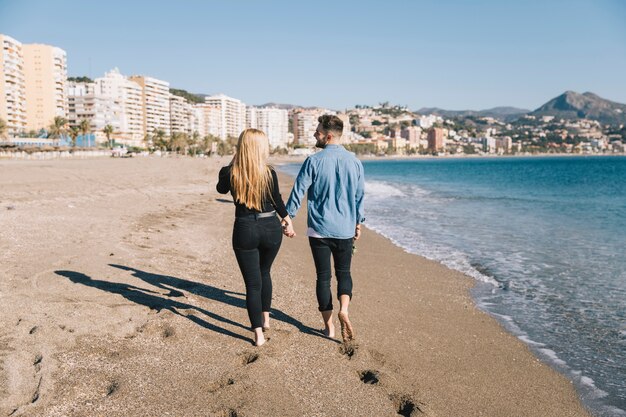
x: 249, y: 357
x: 405, y: 405
x: 221, y: 383
x: 369, y: 377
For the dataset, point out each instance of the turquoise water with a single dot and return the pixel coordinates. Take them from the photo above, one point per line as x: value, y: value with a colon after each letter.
x: 545, y: 238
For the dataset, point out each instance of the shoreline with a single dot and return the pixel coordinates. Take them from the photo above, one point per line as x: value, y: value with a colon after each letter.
x: 587, y: 391
x: 112, y: 283
x: 553, y: 362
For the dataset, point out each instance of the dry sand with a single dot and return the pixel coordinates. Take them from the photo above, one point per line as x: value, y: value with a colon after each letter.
x: 120, y: 296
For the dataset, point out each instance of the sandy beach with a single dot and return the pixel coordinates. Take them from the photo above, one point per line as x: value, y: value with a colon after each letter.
x: 120, y: 296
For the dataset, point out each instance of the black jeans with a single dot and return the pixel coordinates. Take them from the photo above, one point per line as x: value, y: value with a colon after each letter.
x: 341, y: 251
x: 256, y: 243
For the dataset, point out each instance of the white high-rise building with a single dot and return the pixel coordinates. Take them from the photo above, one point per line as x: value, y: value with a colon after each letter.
x: 198, y: 121
x: 274, y: 122
x: 129, y: 95
x: 232, y: 115
x: 211, y: 119
x: 12, y: 86
x: 181, y: 114
x: 156, y: 104
x: 86, y: 101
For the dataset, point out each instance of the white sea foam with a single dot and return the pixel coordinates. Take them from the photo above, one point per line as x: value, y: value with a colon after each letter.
x: 381, y: 190
x: 552, y: 356
x: 411, y: 242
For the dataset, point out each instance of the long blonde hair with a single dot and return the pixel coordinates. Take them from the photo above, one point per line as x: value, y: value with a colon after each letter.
x: 250, y: 175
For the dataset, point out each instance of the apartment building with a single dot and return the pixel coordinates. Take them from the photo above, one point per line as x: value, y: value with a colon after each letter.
x: 129, y: 95
x: 304, y: 123
x: 87, y: 101
x: 181, y: 113
x: 198, y: 123
x: 45, y: 73
x: 12, y: 86
x: 274, y: 122
x: 435, y: 139
x: 231, y: 113
x: 412, y: 134
x: 156, y: 104
x: 211, y: 119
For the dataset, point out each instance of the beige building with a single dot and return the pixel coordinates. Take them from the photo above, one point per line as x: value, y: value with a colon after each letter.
x: 304, y: 123
x: 12, y: 86
x: 210, y: 120
x: 412, y: 134
x: 435, y: 139
x: 45, y: 73
x: 156, y: 104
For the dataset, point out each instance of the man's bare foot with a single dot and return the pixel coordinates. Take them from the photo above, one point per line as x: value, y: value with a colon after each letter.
x: 347, y: 332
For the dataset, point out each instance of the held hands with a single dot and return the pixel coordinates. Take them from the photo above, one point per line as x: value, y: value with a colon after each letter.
x: 357, y: 232
x: 288, y: 227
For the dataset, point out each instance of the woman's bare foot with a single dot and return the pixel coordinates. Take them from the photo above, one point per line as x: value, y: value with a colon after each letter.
x: 259, y: 337
x: 329, y: 331
x: 347, y: 332
x: 266, y: 321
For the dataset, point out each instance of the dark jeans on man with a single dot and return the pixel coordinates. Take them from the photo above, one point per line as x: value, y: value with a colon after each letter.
x: 256, y: 242
x: 341, y: 251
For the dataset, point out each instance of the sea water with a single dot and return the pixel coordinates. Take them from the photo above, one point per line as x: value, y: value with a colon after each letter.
x: 545, y: 239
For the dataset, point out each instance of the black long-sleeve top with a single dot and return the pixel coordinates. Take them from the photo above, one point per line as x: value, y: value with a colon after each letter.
x: 223, y: 187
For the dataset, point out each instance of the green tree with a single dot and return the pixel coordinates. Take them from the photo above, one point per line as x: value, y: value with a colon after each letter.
x: 3, y: 128
x: 74, y: 131
x: 159, y: 139
x: 83, y: 79
x: 85, y: 128
x: 108, y: 131
x: 178, y: 142
x: 58, y: 127
x: 194, y: 143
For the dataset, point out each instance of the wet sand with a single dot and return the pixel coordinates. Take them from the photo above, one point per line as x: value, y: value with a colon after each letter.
x: 120, y: 296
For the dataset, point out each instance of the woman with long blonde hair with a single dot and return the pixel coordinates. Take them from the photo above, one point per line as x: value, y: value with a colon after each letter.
x: 257, y: 232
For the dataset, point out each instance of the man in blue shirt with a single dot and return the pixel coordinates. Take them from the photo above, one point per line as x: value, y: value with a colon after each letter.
x: 333, y: 180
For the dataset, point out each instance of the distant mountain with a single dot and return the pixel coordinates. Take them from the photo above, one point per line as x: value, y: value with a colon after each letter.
x: 500, y: 113
x: 572, y: 105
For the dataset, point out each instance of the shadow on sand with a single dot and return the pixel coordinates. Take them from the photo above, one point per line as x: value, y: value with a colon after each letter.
x: 158, y: 301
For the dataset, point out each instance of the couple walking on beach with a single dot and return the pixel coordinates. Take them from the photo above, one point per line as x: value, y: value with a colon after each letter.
x: 333, y: 180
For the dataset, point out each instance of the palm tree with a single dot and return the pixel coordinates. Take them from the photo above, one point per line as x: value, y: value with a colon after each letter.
x: 58, y: 127
x: 3, y: 128
x: 159, y: 139
x: 74, y: 131
x: 108, y: 131
x: 179, y: 141
x: 85, y: 128
x: 194, y: 142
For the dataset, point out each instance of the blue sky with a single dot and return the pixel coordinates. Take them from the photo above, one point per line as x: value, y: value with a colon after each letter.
x: 449, y: 54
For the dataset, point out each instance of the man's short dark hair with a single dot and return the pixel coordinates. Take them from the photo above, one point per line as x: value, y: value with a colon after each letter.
x: 331, y: 123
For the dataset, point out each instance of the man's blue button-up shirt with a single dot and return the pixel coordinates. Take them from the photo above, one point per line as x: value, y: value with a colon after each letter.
x: 334, y: 181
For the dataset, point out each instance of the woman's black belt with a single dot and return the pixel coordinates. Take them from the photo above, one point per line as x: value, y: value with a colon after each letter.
x: 258, y: 215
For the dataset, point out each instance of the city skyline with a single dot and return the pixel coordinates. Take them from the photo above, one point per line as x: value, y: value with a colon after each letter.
x: 453, y: 56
